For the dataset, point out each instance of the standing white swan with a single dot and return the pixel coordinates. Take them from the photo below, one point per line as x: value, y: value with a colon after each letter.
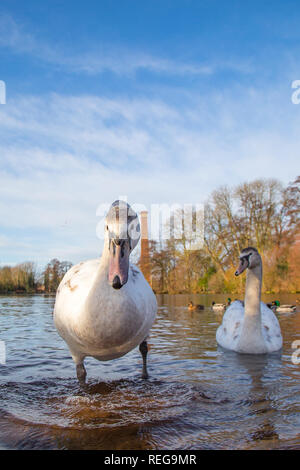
x: 104, y: 307
x: 253, y: 329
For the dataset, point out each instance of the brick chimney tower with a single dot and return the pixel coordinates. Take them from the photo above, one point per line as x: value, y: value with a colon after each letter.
x: 144, y: 259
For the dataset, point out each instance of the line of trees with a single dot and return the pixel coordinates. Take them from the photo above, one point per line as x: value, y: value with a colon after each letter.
x: 21, y: 278
x: 262, y: 213
x: 25, y: 278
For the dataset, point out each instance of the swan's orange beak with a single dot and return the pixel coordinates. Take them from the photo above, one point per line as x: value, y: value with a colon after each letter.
x: 244, y: 263
x: 118, y: 263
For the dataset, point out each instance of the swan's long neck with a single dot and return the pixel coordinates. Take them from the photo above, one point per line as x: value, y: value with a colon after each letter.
x: 253, y: 293
x: 251, y: 339
x: 104, y: 262
x: 100, y: 280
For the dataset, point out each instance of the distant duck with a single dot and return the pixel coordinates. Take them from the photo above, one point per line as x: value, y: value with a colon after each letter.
x: 286, y: 308
x: 218, y: 307
x: 254, y: 328
x: 276, y: 307
x: 191, y: 306
x: 104, y: 307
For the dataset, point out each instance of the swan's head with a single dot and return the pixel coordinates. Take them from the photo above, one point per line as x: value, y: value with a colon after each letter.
x: 122, y: 230
x: 249, y: 259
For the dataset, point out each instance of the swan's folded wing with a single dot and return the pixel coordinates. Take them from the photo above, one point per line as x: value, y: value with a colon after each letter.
x: 74, y: 287
x: 270, y: 328
x: 229, y: 331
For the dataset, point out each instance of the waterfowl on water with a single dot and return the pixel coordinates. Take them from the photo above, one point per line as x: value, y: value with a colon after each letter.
x: 104, y: 307
x: 276, y: 307
x: 191, y: 306
x: 286, y: 308
x: 254, y: 328
x: 220, y: 307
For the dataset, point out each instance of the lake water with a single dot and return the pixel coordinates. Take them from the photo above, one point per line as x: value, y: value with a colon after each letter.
x: 198, y: 396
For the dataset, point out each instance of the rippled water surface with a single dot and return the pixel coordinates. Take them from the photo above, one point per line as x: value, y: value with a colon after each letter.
x: 197, y: 397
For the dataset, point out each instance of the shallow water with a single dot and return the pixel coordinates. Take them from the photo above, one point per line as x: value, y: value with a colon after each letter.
x: 198, y: 396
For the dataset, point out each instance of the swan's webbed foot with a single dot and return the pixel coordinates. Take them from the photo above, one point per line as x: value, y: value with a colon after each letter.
x: 81, y: 373
x: 144, y: 350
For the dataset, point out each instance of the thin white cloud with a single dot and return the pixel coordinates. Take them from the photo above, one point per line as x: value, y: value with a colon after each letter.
x: 118, y: 60
x: 114, y: 58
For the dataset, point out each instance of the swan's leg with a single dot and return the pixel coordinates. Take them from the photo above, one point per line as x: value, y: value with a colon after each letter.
x: 80, y: 369
x: 144, y: 351
x: 81, y: 373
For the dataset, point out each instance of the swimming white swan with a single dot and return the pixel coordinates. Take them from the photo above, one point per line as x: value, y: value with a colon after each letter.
x: 253, y: 329
x: 104, y: 307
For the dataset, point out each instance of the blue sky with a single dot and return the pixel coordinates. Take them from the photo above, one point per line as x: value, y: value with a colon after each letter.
x: 161, y: 101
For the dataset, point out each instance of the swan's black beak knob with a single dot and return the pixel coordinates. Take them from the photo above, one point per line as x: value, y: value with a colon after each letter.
x: 116, y: 283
